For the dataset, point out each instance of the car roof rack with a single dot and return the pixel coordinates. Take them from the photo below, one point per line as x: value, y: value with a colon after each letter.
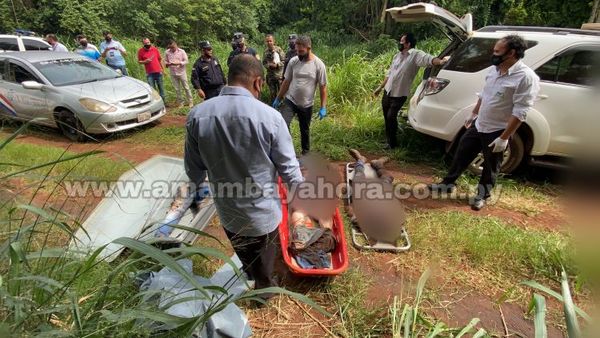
x: 554, y: 30
x: 24, y: 32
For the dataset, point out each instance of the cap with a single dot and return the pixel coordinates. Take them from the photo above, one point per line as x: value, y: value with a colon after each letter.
x: 238, y: 35
x: 292, y: 37
x: 204, y: 45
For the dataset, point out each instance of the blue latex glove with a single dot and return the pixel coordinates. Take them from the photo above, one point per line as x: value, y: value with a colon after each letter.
x: 322, y: 113
x: 276, y: 103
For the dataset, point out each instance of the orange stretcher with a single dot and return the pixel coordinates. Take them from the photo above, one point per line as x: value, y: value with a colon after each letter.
x: 339, y: 257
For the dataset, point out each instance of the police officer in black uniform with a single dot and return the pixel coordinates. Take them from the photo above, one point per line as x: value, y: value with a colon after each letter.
x: 207, y: 75
x: 291, y: 52
x: 239, y: 47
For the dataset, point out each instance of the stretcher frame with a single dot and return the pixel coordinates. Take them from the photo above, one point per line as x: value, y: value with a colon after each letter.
x: 357, y: 235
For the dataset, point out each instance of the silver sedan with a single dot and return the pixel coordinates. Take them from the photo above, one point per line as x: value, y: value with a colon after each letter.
x: 78, y: 95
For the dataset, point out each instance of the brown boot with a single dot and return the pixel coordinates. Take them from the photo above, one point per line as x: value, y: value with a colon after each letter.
x: 379, y: 163
x: 357, y: 156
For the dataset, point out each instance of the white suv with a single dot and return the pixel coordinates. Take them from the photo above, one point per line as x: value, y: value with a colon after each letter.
x: 17, y: 43
x: 566, y: 60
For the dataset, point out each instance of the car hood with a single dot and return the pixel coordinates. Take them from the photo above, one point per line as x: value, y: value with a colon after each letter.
x: 112, y: 90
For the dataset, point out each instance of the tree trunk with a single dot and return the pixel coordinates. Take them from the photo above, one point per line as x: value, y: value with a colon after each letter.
x: 384, y: 7
x: 595, y: 16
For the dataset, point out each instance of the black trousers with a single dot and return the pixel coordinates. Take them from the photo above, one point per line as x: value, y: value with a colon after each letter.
x: 257, y: 255
x: 391, y: 107
x: 471, y: 143
x: 288, y: 110
x: 212, y: 92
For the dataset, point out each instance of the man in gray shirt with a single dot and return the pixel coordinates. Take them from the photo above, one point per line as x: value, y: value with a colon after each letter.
x: 509, y: 93
x: 398, y: 81
x: 302, y: 75
x: 243, y: 145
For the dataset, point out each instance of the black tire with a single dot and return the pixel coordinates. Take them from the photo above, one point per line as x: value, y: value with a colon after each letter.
x: 70, y: 126
x: 513, y: 156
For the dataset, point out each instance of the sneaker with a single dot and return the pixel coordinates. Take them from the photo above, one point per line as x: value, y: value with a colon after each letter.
x: 379, y: 163
x: 441, y: 188
x: 357, y: 155
x: 478, y: 203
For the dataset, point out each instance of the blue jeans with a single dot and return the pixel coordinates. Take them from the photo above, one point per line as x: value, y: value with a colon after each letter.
x: 155, y: 80
x: 123, y: 69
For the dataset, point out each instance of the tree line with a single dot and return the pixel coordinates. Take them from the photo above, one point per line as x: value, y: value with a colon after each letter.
x: 190, y: 20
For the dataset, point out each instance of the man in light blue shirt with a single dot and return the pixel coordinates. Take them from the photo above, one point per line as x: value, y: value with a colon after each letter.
x: 243, y: 145
x: 113, y: 52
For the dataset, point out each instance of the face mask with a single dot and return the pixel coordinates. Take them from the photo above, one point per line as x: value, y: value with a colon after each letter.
x: 497, y: 59
x: 292, y: 45
x: 147, y: 47
x: 83, y: 44
x: 108, y: 39
x: 400, y: 46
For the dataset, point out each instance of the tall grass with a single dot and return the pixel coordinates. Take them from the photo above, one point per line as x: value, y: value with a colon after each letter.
x: 48, y: 289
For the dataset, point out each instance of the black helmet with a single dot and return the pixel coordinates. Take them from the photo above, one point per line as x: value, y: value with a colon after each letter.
x: 204, y: 45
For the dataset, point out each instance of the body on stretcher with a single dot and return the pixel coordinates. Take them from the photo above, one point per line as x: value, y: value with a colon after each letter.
x: 361, y: 240
x: 338, y: 257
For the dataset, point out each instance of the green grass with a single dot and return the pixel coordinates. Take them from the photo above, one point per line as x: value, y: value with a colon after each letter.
x: 489, y: 243
x: 24, y: 155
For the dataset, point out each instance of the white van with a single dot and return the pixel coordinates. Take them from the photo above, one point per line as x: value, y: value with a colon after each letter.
x: 566, y: 60
x: 17, y: 43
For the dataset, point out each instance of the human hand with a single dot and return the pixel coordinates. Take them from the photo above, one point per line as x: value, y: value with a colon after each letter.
x: 276, y: 103
x: 322, y: 113
x: 470, y: 119
x: 201, y: 93
x: 498, y: 145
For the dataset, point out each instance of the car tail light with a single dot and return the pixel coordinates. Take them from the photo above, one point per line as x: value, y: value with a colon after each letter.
x: 434, y: 85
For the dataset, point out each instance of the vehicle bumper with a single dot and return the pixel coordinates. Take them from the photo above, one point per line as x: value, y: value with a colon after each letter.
x: 430, y: 118
x: 122, y: 119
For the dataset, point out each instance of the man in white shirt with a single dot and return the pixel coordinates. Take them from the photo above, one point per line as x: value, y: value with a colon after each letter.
x: 509, y: 92
x: 398, y: 81
x: 56, y: 46
x: 176, y: 60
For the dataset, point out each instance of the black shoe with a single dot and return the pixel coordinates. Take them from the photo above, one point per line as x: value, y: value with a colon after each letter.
x: 304, y: 151
x: 478, y: 203
x: 441, y: 188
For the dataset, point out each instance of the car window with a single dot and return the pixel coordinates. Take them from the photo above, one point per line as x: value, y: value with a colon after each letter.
x: 3, y: 73
x: 17, y: 73
x: 32, y: 44
x: 474, y: 55
x: 8, y: 44
x: 66, y: 72
x: 577, y: 66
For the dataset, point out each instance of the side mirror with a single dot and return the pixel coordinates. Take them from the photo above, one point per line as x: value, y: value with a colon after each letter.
x: 33, y: 85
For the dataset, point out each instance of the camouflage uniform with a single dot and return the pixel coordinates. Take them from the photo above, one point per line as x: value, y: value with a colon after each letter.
x: 274, y: 75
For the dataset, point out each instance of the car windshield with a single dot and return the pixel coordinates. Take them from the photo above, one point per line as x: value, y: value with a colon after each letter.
x: 67, y: 72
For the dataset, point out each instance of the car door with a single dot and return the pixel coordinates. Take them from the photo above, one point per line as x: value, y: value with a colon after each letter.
x: 568, y: 97
x: 25, y: 103
x: 35, y: 44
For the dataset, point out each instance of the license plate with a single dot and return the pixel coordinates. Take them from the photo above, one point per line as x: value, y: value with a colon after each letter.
x: 144, y: 116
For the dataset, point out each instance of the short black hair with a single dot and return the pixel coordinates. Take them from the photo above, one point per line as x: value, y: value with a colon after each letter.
x: 517, y: 43
x: 243, y: 69
x: 410, y: 38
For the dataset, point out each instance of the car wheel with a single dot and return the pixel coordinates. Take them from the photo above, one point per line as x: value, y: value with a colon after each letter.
x: 70, y: 126
x: 512, y: 157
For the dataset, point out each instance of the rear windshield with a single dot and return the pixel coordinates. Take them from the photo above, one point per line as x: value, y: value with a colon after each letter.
x: 67, y: 72
x: 474, y: 55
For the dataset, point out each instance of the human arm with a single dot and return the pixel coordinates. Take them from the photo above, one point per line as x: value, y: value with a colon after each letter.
x: 283, y: 155
x: 192, y: 160
x: 381, y: 86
